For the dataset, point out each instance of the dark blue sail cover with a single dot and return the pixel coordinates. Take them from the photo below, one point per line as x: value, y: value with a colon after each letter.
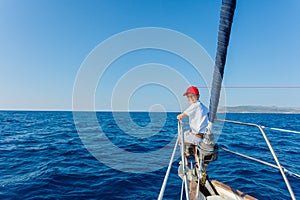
x: 226, y: 17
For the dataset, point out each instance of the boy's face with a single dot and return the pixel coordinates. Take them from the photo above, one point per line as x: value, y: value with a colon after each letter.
x: 192, y: 98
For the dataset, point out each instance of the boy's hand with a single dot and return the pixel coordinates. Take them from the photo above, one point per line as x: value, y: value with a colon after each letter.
x: 181, y: 116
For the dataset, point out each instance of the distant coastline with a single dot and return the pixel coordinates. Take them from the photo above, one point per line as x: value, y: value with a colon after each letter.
x: 260, y: 109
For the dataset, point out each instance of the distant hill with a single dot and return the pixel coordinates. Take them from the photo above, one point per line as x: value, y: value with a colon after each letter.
x: 259, y: 109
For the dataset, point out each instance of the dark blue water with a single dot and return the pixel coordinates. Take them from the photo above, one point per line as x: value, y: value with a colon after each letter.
x: 42, y: 157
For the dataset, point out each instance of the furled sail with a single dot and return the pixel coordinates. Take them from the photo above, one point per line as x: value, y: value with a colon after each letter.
x: 226, y: 17
x: 207, y: 146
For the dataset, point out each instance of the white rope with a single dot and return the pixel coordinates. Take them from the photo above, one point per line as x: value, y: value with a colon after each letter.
x: 283, y: 130
x: 261, y: 161
x: 163, y: 187
x: 250, y: 124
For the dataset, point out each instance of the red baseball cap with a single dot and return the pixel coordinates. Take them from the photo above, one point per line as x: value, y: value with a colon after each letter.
x: 192, y: 89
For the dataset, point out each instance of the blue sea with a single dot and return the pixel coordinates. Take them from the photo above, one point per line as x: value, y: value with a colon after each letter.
x: 43, y: 157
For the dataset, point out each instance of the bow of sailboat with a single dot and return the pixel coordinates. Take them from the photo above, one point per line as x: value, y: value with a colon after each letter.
x: 195, y: 182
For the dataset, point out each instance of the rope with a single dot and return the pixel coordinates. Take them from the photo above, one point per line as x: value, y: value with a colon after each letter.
x: 283, y: 130
x: 264, y: 127
x: 261, y: 161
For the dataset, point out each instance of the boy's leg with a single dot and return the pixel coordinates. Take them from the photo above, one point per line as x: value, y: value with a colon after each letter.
x: 186, y: 153
x: 195, y: 154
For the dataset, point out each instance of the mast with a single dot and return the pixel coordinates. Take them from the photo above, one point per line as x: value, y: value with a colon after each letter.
x: 226, y: 18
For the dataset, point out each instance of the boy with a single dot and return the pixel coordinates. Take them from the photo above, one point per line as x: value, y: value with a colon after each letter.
x: 198, y: 119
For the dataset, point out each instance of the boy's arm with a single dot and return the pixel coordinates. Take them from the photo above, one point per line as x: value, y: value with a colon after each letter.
x: 187, y: 112
x: 181, y: 116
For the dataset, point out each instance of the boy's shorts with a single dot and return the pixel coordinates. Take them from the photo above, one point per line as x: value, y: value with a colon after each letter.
x: 191, y: 138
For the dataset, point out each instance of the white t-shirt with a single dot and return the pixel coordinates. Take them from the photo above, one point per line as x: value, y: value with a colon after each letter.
x: 198, y: 117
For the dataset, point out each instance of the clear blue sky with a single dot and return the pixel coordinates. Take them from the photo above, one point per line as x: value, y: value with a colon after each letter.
x: 43, y: 43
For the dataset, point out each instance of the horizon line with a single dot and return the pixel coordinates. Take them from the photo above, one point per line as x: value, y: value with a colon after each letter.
x: 228, y: 106
x: 297, y: 111
x: 222, y: 112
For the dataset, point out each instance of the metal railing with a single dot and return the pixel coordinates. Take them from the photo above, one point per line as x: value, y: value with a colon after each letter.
x: 185, y: 182
x: 261, y: 128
